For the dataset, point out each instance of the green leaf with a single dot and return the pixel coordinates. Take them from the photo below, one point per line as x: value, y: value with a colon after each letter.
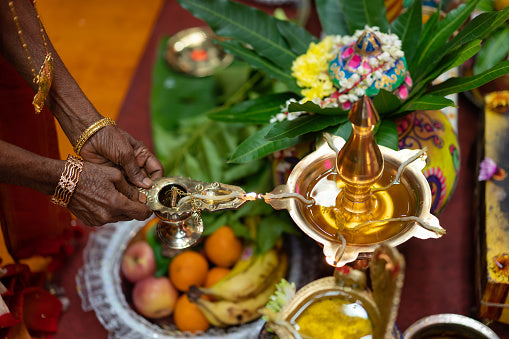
x: 275, y: 72
x: 302, y: 125
x: 270, y: 230
x: 387, y: 134
x: 446, y: 27
x: 246, y: 24
x: 429, y: 102
x: 385, y: 102
x: 468, y: 51
x: 212, y: 158
x: 495, y: 49
x: 162, y: 262
x: 190, y: 95
x: 297, y: 37
x: 481, y: 26
x: 460, y: 84
x: 311, y: 107
x: 360, y: 13
x: 427, y: 33
x: 259, y: 110
x: 332, y: 17
x: 343, y: 130
x: 408, y: 27
x: 256, y: 146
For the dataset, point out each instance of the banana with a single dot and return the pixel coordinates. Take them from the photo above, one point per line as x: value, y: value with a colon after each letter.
x: 246, y: 282
x: 224, y: 313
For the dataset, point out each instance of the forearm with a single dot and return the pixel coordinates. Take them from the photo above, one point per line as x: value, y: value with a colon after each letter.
x: 23, y: 168
x: 66, y: 101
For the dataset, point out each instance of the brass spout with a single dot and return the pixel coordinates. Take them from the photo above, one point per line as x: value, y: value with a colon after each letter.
x: 360, y: 162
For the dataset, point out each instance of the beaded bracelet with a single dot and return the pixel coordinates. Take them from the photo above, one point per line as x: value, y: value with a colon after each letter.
x: 91, y: 130
x: 68, y: 181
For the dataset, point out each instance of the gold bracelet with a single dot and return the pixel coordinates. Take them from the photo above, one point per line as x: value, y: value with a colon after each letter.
x: 91, y: 130
x: 68, y: 181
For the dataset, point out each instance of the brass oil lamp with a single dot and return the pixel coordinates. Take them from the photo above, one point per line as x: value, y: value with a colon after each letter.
x: 349, y: 197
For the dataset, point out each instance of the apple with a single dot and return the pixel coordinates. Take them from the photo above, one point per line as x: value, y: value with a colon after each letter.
x: 154, y: 297
x: 138, y: 261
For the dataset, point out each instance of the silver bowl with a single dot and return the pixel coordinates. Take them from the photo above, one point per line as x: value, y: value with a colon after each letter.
x: 449, y: 325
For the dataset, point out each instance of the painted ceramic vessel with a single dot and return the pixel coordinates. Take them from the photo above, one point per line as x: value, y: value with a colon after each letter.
x: 432, y: 129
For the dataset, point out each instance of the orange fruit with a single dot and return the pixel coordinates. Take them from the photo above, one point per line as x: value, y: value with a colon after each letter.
x: 151, y: 223
x: 188, y: 268
x: 188, y: 317
x: 215, y: 274
x: 222, y: 247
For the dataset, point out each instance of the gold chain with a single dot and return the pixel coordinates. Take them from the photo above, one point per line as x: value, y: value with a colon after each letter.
x: 45, y: 76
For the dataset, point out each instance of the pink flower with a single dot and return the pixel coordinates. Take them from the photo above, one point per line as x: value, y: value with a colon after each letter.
x: 489, y: 169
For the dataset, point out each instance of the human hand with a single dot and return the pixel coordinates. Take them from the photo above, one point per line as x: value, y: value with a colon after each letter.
x: 103, y: 196
x: 114, y: 147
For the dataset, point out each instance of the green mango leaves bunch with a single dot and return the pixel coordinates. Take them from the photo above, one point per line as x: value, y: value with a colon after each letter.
x: 271, y: 45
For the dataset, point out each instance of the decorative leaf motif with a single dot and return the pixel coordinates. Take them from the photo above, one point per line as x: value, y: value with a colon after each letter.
x: 297, y: 37
x: 246, y: 24
x: 360, y: 13
x: 332, y: 17
x: 256, y: 147
x: 275, y: 72
x: 408, y: 27
x: 302, y: 125
x: 455, y: 85
x: 259, y: 110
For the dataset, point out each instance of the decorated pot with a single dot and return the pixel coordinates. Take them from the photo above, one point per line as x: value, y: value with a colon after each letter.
x: 432, y: 130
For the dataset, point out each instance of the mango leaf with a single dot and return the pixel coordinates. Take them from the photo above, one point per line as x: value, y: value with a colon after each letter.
x: 429, y: 102
x: 332, y: 17
x: 302, y: 125
x: 427, y: 33
x: 408, y: 27
x: 446, y: 27
x: 385, y: 102
x: 271, y: 228
x: 461, y: 84
x: 213, y: 158
x: 387, y: 134
x: 481, y: 26
x: 256, y: 147
x: 467, y: 52
x: 246, y: 24
x: 311, y: 107
x: 342, y: 130
x: 298, y: 38
x: 258, y: 110
x: 190, y: 96
x: 360, y: 13
x: 495, y: 49
x: 275, y: 72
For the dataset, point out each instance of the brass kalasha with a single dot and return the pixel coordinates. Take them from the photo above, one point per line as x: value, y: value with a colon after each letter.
x: 44, y: 78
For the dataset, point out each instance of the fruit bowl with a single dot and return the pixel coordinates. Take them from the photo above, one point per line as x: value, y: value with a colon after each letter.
x: 100, y: 287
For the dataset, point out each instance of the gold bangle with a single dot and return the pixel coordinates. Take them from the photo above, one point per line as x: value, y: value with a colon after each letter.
x: 91, y: 130
x: 68, y: 181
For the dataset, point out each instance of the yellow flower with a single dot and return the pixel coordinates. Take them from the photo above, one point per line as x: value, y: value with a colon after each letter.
x: 311, y: 70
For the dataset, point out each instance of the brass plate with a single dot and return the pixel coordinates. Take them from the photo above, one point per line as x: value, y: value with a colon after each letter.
x: 193, y: 51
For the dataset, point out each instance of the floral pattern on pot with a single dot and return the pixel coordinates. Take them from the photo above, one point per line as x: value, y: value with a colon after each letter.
x: 432, y: 129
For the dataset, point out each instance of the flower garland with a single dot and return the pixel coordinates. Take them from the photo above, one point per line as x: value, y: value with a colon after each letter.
x: 332, y: 73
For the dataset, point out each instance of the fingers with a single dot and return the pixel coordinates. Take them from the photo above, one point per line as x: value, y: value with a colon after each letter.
x: 104, y: 196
